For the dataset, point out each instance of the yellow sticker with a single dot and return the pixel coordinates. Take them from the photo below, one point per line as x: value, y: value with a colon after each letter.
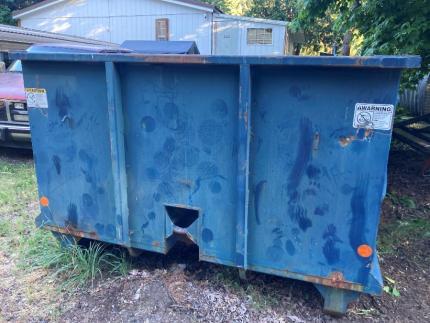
x: 36, y: 98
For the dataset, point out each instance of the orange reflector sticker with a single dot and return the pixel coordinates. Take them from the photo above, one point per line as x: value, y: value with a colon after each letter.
x: 44, y: 201
x: 364, y: 251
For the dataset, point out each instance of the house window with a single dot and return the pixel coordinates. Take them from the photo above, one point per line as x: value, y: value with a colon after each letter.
x: 162, y: 29
x: 260, y: 36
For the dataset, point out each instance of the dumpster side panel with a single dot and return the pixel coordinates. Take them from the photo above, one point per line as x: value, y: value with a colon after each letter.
x: 181, y: 152
x: 316, y: 182
x: 71, y: 149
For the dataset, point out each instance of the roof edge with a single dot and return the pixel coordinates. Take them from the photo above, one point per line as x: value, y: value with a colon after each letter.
x: 253, y: 19
x: 196, y: 4
x: 47, y: 3
x: 37, y: 6
x: 46, y: 34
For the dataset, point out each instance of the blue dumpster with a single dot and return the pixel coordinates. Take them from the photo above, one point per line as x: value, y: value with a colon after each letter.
x: 270, y: 164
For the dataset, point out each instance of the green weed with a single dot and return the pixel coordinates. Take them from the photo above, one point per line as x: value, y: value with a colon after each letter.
x: 398, y: 232
x: 390, y: 287
x: 120, y: 263
x: 404, y: 201
x: 73, y: 266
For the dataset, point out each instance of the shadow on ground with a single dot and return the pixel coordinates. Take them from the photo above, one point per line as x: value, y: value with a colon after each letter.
x: 15, y: 154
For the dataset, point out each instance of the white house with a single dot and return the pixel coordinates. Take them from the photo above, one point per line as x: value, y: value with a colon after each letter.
x: 119, y: 20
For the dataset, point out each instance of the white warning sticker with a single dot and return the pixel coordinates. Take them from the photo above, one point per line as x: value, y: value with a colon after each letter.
x: 373, y: 116
x: 36, y: 98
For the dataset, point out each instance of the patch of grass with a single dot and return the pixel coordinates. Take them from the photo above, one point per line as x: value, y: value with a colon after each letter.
x: 120, y: 263
x: 72, y: 266
x: 5, y: 228
x: 17, y: 186
x: 17, y: 192
x: 399, y: 232
x: 402, y: 200
x: 257, y: 295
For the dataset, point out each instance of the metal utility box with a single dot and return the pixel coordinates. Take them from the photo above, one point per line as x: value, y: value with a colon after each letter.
x: 271, y: 164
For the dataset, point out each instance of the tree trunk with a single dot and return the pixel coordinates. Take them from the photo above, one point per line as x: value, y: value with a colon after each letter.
x: 347, y: 37
x: 346, y: 45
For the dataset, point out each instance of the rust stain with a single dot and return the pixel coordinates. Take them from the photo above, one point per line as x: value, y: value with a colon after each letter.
x: 171, y: 59
x: 72, y: 231
x: 209, y: 258
x: 155, y: 243
x: 345, y: 141
x: 368, y: 133
x: 335, y: 279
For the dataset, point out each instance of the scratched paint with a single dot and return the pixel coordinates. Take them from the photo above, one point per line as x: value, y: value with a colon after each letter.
x: 296, y: 209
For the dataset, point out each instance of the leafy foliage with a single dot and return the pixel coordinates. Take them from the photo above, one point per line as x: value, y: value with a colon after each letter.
x: 233, y: 7
x: 381, y: 26
x: 390, y: 287
x: 5, y: 15
x: 274, y: 9
x: 7, y: 6
x: 396, y: 27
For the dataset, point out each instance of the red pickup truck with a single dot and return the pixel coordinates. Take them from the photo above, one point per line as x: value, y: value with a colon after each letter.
x: 14, y: 125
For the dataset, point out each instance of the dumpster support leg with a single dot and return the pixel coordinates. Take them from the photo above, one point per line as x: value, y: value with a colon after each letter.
x: 244, y: 135
x: 336, y: 300
x: 116, y: 132
x: 242, y: 274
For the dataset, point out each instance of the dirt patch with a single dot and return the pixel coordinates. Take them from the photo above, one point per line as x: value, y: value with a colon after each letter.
x: 185, y: 289
x: 185, y: 293
x: 26, y: 295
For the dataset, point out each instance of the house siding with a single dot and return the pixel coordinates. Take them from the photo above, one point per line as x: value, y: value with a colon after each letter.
x: 239, y: 29
x: 119, y: 20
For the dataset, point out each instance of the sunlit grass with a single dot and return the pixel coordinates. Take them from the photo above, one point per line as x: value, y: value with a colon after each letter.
x: 72, y: 266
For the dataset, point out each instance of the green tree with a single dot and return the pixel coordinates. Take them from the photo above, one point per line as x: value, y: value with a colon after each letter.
x: 319, y: 34
x: 7, y: 6
x: 5, y: 15
x: 233, y: 7
x: 274, y: 9
x: 394, y: 27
